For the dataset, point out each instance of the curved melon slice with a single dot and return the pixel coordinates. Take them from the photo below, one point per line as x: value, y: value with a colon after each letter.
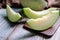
x: 33, y: 14
x: 44, y: 22
x: 34, y: 4
x: 12, y: 16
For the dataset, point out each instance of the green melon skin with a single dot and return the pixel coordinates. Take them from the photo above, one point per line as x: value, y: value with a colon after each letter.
x: 44, y: 22
x: 34, y: 4
x: 12, y: 16
x: 36, y: 14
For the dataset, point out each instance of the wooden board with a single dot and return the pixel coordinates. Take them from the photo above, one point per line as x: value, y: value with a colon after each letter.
x: 49, y: 32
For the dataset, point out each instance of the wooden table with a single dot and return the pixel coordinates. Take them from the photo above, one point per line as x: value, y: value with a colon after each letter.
x: 13, y: 31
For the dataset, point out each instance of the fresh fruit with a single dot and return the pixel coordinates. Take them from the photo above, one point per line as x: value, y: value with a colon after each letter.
x: 34, y: 4
x: 36, y: 14
x: 44, y: 22
x: 12, y: 16
x: 52, y: 9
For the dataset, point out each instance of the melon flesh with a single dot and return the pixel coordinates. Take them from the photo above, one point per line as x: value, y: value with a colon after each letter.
x: 36, y: 14
x: 44, y: 22
x: 34, y: 4
x: 12, y: 15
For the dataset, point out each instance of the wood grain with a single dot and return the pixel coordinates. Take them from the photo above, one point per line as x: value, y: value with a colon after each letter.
x: 21, y: 34
x: 5, y: 27
x: 12, y: 31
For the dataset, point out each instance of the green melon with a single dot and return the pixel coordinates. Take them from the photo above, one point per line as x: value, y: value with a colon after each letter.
x: 44, y: 22
x: 34, y: 4
x: 36, y: 14
x: 12, y: 15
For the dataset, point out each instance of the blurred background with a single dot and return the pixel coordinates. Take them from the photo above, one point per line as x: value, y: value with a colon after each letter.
x: 16, y: 3
x: 12, y: 3
x: 2, y: 4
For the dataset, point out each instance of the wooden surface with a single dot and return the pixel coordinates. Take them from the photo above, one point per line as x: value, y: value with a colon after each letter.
x: 13, y: 31
x: 49, y: 32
